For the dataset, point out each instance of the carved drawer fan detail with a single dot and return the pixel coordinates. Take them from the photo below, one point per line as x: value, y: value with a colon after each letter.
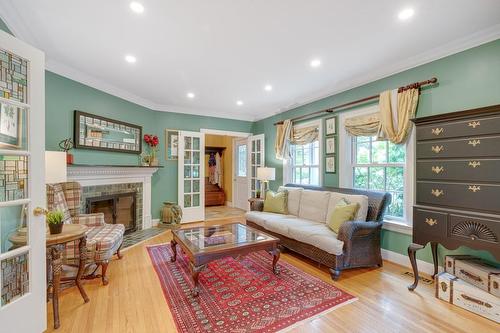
x: 474, y: 230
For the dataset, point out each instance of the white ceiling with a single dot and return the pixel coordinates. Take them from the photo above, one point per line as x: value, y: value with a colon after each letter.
x: 227, y: 50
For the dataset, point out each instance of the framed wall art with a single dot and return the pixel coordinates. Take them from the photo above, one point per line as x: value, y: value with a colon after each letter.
x: 100, y: 133
x: 330, y: 164
x: 172, y: 144
x: 330, y: 145
x: 331, y: 126
x: 11, y: 126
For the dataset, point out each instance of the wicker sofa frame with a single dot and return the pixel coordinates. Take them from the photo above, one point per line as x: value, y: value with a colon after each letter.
x: 361, y: 238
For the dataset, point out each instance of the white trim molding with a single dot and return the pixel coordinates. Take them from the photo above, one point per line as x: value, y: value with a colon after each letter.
x: 223, y: 132
x: 403, y: 260
x: 108, y: 175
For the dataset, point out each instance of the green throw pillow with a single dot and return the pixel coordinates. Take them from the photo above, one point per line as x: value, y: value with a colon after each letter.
x: 276, y: 202
x: 342, y: 212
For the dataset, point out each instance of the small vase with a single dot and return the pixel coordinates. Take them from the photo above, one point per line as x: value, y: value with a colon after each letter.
x: 55, y: 228
x: 153, y: 161
x: 69, y: 158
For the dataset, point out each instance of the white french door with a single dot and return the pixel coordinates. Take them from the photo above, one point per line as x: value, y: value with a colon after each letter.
x: 191, y: 190
x: 241, y: 174
x: 256, y: 159
x: 22, y: 186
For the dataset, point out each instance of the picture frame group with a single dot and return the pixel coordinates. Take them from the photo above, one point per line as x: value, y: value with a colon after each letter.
x: 330, y: 144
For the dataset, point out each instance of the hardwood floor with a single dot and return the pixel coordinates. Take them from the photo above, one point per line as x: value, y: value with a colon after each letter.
x: 133, y: 301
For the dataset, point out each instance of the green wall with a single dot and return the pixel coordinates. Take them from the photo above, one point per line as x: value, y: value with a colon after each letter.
x: 467, y: 80
x: 63, y: 95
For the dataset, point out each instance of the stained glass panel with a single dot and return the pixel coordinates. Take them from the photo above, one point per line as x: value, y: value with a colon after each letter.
x: 13, y: 77
x: 13, y: 177
x: 15, y: 278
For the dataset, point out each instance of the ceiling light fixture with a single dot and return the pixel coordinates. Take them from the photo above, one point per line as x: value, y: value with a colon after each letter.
x: 130, y: 59
x: 137, y: 7
x: 406, y: 14
x: 239, y: 103
x: 315, y: 63
x: 268, y: 87
x: 190, y: 95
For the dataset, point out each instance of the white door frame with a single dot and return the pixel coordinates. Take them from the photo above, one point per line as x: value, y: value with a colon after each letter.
x: 31, y: 305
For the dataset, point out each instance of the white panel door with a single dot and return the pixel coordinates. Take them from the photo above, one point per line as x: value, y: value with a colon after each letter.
x: 241, y: 174
x: 22, y: 186
x: 256, y: 159
x: 192, y: 176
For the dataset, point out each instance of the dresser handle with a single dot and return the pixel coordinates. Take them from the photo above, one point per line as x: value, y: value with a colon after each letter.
x: 437, y: 169
x: 474, y: 300
x: 437, y: 149
x: 474, y: 188
x: 431, y: 222
x: 471, y: 276
x: 437, y: 193
x: 474, y: 164
x: 437, y: 130
x: 474, y: 124
x: 474, y: 143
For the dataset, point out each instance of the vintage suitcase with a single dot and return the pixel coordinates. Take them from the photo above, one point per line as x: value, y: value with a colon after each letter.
x: 472, y: 270
x: 460, y: 293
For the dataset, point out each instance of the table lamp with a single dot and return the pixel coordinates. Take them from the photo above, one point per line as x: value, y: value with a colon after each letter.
x: 55, y: 167
x: 265, y: 174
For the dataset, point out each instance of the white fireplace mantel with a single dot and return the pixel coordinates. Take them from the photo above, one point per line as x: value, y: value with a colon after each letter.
x: 92, y: 175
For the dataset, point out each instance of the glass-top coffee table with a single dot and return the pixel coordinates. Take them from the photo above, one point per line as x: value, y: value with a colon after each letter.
x: 205, y: 244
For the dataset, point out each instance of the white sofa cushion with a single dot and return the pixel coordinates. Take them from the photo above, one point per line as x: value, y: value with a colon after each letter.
x: 302, y: 230
x: 314, y: 205
x: 362, y: 200
x: 319, y: 235
x: 294, y: 194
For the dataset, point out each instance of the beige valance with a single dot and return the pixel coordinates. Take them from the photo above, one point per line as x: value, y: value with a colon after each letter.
x: 304, y: 135
x: 365, y: 125
x: 396, y: 110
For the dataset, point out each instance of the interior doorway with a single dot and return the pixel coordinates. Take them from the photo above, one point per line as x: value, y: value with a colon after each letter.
x: 241, y: 173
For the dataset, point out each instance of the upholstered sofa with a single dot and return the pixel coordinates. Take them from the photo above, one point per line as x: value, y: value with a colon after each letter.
x: 304, y: 229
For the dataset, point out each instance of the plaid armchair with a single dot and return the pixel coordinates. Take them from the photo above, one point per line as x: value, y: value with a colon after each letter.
x: 103, y: 239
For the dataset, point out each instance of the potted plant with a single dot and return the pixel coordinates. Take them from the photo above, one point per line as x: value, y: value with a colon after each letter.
x: 152, y: 141
x: 55, y: 221
x: 66, y: 145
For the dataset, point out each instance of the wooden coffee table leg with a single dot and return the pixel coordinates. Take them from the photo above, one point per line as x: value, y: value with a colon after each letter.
x: 173, y: 245
x: 56, y: 278
x: 81, y: 267
x: 195, y: 272
x: 276, y: 257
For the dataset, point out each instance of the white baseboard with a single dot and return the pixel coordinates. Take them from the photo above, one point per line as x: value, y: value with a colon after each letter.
x: 229, y: 204
x: 403, y: 260
x: 155, y: 222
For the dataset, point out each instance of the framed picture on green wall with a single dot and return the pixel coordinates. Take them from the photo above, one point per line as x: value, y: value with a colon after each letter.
x: 331, y: 126
x: 10, y: 126
x: 172, y: 144
x: 330, y: 164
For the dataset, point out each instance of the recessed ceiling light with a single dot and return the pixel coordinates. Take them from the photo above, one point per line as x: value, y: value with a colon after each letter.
x: 137, y: 7
x: 268, y: 87
x: 315, y: 63
x: 190, y: 95
x: 239, y: 103
x: 130, y: 59
x: 405, y: 14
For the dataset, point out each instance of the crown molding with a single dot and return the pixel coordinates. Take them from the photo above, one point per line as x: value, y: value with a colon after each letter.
x: 453, y: 47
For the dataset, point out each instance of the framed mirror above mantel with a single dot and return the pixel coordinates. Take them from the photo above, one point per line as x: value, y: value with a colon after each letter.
x: 101, y: 133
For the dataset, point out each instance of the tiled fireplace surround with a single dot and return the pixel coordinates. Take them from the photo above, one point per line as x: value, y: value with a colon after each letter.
x: 104, y: 180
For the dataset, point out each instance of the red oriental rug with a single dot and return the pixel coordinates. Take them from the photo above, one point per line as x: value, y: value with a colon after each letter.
x: 242, y: 296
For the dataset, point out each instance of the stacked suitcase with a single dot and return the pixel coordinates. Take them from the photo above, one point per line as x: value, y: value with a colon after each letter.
x: 471, y: 284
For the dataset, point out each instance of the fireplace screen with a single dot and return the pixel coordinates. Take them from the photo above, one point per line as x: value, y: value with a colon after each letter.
x: 117, y: 208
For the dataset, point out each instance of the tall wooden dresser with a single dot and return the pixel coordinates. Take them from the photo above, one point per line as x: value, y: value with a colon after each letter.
x: 457, y: 183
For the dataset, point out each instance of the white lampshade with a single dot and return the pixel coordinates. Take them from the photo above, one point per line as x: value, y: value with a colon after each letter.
x: 266, y: 174
x: 55, y: 167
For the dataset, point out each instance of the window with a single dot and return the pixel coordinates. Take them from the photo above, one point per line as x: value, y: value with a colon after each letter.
x: 242, y: 161
x: 380, y: 166
x: 305, y: 163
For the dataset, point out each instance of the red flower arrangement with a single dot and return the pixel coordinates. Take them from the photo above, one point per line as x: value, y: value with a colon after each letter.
x: 152, y: 141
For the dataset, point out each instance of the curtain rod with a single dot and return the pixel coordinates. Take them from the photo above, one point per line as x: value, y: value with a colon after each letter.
x: 362, y: 100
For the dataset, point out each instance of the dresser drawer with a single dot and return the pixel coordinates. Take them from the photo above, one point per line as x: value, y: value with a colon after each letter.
x: 458, y: 128
x: 461, y: 195
x: 474, y: 230
x: 430, y: 222
x: 470, y: 147
x: 487, y: 170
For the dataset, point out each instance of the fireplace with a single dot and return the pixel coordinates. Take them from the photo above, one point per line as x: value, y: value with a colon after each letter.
x: 119, y: 208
